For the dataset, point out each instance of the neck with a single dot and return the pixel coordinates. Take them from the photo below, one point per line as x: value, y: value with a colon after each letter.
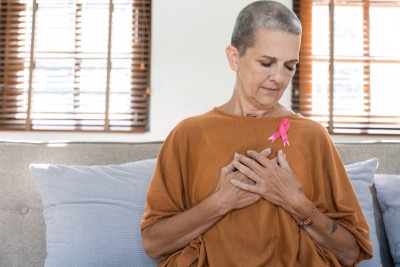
x: 241, y: 108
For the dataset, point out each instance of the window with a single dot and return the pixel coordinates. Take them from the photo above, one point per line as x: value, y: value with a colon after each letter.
x: 348, y: 78
x: 74, y: 65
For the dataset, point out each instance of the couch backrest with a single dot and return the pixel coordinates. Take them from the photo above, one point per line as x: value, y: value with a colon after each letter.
x: 388, y: 154
x: 22, y: 230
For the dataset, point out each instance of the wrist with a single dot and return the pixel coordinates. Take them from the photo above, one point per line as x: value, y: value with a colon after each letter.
x: 305, y: 220
x: 218, y: 204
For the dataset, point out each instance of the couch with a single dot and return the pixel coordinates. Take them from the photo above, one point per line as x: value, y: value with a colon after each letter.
x: 23, y: 189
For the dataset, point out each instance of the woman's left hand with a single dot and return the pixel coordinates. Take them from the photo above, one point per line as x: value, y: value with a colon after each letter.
x: 274, y: 180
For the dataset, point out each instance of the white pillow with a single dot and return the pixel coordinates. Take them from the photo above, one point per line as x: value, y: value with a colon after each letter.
x: 93, y: 213
x: 361, y: 175
x: 388, y: 193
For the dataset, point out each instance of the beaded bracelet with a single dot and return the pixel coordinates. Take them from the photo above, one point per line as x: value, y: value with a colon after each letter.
x: 307, y: 221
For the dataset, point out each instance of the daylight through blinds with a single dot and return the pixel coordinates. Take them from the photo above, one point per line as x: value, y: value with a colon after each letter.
x: 79, y: 65
x: 349, y: 63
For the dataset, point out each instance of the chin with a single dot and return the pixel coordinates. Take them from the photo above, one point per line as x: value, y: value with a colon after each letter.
x: 269, y: 102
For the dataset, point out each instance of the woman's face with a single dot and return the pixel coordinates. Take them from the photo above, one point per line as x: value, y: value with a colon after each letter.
x: 265, y: 70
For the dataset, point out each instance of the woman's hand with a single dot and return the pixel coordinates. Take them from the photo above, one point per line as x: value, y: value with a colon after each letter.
x: 174, y: 232
x: 279, y: 184
x: 274, y: 180
x: 231, y: 196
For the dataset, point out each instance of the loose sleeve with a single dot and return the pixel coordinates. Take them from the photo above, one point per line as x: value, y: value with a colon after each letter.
x: 165, y: 195
x: 341, y: 201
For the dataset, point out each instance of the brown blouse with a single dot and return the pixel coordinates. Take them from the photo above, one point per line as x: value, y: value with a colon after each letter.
x: 261, y: 234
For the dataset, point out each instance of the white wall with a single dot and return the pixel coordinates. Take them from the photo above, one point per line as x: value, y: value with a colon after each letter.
x: 190, y: 74
x: 189, y: 71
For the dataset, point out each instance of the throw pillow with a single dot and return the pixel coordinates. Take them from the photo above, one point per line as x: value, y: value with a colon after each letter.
x: 388, y: 193
x: 361, y: 175
x: 93, y: 213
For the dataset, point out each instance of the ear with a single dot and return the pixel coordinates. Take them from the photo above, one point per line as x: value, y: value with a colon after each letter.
x: 232, y: 54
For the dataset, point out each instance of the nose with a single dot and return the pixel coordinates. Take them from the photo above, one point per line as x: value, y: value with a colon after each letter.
x: 276, y: 74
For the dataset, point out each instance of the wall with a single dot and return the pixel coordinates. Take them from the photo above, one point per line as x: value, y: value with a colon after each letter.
x: 189, y: 71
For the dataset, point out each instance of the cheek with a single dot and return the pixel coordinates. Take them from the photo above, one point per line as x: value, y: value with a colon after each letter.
x: 261, y: 74
x: 289, y: 76
x: 255, y: 77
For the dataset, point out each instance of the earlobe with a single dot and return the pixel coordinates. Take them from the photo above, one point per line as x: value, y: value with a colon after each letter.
x: 232, y: 54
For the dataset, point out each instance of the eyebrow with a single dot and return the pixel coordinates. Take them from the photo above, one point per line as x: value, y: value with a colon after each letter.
x: 275, y: 59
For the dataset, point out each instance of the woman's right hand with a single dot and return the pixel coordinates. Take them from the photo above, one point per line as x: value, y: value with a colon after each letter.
x: 172, y: 233
x: 230, y: 196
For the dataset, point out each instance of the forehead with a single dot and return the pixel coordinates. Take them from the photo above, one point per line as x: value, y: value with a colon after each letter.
x: 278, y: 44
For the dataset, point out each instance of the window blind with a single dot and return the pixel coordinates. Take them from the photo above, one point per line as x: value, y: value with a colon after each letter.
x: 349, y: 63
x: 74, y: 65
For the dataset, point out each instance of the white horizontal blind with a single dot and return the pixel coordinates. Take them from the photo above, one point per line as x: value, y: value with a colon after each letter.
x: 74, y: 65
x: 349, y: 64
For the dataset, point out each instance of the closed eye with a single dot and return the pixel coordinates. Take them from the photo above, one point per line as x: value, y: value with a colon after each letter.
x: 266, y: 65
x: 289, y: 68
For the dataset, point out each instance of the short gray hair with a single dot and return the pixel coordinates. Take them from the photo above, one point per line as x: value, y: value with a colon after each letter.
x: 268, y: 15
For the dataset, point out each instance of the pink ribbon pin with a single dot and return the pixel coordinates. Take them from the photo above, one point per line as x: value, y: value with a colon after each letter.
x: 284, y: 126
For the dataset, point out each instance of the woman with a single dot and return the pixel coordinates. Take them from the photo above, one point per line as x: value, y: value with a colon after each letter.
x: 216, y: 201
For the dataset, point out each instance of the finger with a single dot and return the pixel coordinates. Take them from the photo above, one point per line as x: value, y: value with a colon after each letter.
x: 241, y: 177
x: 274, y: 160
x: 266, y: 152
x: 251, y: 163
x: 282, y: 161
x: 244, y: 186
x: 259, y: 157
x: 229, y: 168
x: 242, y: 165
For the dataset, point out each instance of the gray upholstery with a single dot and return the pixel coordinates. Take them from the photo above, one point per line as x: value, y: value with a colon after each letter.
x: 22, y: 230
x: 388, y: 154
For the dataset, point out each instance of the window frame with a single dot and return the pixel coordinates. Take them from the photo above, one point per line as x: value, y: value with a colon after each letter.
x: 136, y: 119
x: 302, y: 83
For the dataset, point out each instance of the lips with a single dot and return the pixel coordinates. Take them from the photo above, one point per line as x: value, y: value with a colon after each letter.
x: 270, y: 90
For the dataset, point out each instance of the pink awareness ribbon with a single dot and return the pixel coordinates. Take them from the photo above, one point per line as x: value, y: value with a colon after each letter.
x: 284, y: 126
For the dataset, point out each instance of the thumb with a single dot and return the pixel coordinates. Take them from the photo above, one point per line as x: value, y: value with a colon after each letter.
x: 229, y: 168
x: 282, y: 160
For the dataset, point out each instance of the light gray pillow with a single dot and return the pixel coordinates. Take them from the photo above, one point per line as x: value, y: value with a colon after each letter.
x: 93, y: 213
x: 388, y: 193
x: 361, y: 175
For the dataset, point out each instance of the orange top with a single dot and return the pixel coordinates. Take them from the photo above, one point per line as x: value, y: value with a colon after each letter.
x: 261, y: 234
